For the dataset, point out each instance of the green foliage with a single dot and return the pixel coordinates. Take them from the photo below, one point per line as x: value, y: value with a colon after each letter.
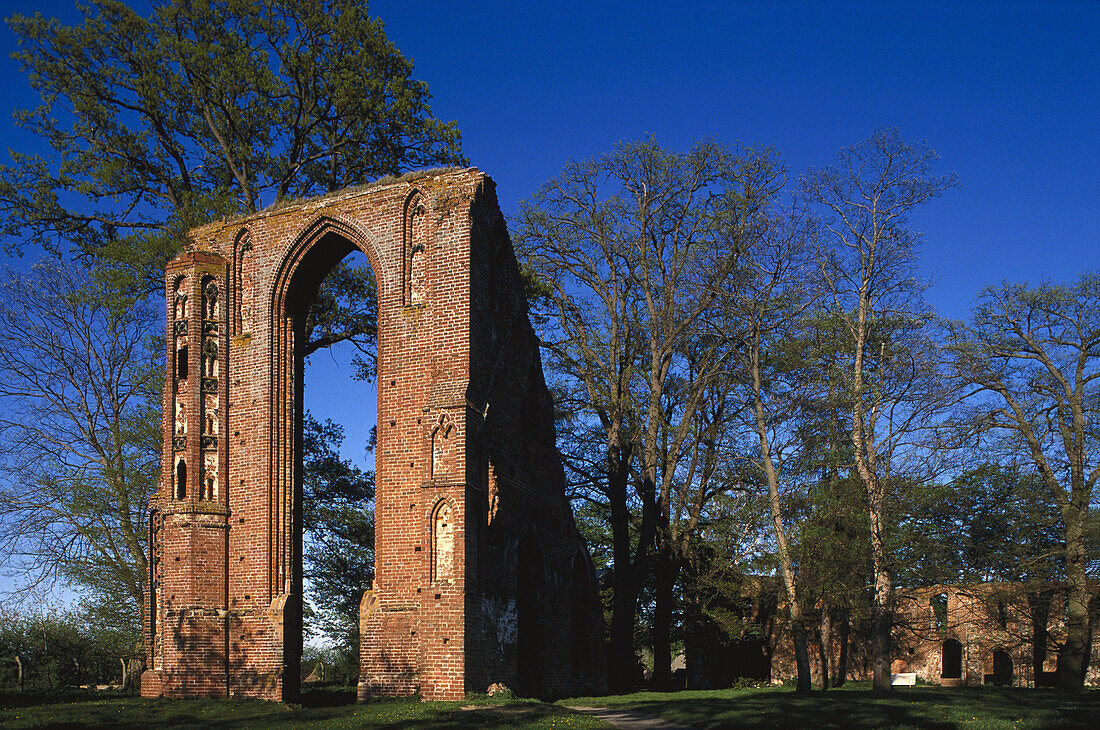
x: 157, y: 124
x: 60, y: 649
x: 80, y: 381
x: 338, y: 526
x: 991, y: 523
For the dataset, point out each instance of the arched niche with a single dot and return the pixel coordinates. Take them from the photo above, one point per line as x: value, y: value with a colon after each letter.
x: 443, y: 542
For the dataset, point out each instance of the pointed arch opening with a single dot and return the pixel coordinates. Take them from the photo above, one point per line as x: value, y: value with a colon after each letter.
x: 322, y: 419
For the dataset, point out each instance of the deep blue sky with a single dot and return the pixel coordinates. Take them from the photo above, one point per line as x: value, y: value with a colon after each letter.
x: 1007, y: 93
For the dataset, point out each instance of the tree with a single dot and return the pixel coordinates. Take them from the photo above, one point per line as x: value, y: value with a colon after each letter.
x: 765, y: 308
x: 152, y: 125
x: 80, y: 379
x: 634, y: 247
x: 1029, y: 358
x: 338, y: 528
x: 155, y: 125
x: 868, y: 269
x: 831, y: 538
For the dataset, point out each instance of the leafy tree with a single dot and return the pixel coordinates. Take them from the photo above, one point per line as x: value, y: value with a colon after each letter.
x: 203, y: 109
x: 634, y: 247
x: 831, y: 537
x: 48, y: 648
x: 338, y: 527
x: 764, y: 308
x: 868, y: 269
x: 1028, y: 356
x: 80, y: 380
x: 990, y: 523
x: 151, y: 125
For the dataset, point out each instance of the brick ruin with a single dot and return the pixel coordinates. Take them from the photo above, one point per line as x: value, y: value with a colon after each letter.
x: 951, y: 635
x: 480, y: 574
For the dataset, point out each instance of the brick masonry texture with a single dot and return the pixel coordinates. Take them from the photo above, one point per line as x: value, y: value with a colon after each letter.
x: 981, y: 633
x: 481, y: 576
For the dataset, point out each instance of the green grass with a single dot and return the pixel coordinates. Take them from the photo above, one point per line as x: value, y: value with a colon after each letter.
x: 103, y: 710
x: 853, y: 708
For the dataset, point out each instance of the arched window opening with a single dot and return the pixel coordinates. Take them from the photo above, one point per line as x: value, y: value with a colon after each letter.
x: 210, y: 359
x: 939, y: 611
x: 181, y: 479
x: 179, y: 299
x: 443, y: 542
x: 1002, y: 667
x: 441, y: 461
x: 209, y: 298
x: 951, y: 663
x: 416, y: 248
x: 181, y: 363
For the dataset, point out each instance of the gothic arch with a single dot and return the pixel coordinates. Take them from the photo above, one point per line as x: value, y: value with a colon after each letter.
x: 414, y: 249
x: 443, y: 540
x: 242, y: 246
x: 323, y: 243
x: 228, y: 593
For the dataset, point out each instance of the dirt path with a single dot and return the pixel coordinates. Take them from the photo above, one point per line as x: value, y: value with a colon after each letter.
x: 629, y: 720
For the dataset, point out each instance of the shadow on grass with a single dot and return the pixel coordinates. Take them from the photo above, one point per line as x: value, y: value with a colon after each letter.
x: 933, y: 708
x: 328, y: 696
x: 100, y: 710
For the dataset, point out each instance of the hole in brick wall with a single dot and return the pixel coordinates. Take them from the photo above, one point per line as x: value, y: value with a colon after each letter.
x: 444, y: 639
x: 177, y: 558
x: 438, y: 596
x: 393, y: 382
x: 247, y: 598
x: 342, y: 408
x: 241, y: 520
x: 416, y: 549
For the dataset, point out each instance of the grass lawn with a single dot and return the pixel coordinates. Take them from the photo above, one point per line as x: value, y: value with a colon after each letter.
x: 104, y: 709
x: 853, y: 708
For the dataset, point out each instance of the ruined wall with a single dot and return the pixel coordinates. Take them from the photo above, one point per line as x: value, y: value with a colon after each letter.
x: 993, y: 625
x: 481, y: 576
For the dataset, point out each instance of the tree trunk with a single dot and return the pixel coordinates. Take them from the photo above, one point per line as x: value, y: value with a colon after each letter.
x: 625, y: 584
x: 880, y: 609
x: 801, y: 653
x: 620, y: 660
x: 880, y: 649
x: 840, y: 676
x: 825, y: 645
x: 881, y: 622
x: 1073, y: 657
x: 1038, y: 604
x: 662, y: 623
x: 19, y: 671
x: 786, y: 566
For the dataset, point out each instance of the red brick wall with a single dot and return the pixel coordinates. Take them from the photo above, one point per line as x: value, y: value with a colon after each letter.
x: 464, y: 418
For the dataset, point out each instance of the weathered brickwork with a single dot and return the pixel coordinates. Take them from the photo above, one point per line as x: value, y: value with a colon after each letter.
x: 481, y: 576
x: 970, y: 634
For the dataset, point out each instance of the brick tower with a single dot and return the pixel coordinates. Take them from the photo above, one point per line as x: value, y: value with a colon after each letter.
x: 480, y: 574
